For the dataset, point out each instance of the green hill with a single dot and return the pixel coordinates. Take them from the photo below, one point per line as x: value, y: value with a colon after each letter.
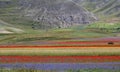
x: 106, y: 7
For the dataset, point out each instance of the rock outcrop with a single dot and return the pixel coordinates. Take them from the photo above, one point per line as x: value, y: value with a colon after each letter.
x: 55, y: 13
x: 5, y: 3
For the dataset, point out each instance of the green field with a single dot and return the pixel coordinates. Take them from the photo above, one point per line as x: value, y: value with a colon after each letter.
x: 105, y: 27
x: 78, y: 33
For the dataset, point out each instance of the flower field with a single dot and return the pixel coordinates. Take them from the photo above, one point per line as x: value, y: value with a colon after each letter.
x: 60, y: 51
x: 94, y: 58
x: 58, y: 59
x: 63, y: 66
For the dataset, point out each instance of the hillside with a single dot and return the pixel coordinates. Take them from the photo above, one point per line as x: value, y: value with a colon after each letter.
x: 106, y: 7
x: 6, y: 28
x: 45, y: 14
x: 56, y: 13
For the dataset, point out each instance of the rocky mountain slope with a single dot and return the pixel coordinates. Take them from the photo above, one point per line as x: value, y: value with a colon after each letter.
x: 56, y: 13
